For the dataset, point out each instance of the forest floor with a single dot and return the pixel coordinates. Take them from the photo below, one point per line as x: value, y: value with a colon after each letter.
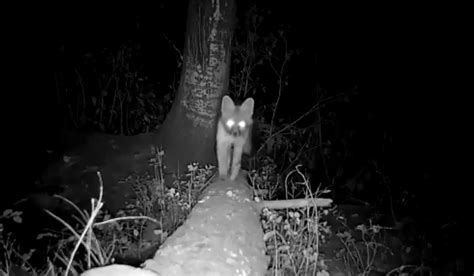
x: 74, y: 176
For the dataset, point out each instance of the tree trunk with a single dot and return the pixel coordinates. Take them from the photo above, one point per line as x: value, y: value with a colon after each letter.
x: 188, y: 133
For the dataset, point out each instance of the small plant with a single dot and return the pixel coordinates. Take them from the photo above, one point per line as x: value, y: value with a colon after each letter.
x: 264, y: 178
x: 110, y: 91
x: 293, y: 237
x: 96, y: 252
x: 103, y: 238
x: 11, y: 254
x: 361, y: 254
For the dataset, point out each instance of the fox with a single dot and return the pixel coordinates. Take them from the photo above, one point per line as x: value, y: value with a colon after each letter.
x: 234, y: 135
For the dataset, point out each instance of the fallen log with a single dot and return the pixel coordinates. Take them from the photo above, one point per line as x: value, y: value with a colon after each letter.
x: 222, y: 236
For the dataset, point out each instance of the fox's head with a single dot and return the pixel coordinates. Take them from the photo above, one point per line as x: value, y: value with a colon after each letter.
x: 236, y: 119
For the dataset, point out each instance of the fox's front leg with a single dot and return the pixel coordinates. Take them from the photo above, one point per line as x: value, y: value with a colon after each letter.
x: 223, y: 158
x: 236, y: 158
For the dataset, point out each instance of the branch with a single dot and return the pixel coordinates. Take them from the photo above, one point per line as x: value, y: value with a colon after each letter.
x: 295, y: 203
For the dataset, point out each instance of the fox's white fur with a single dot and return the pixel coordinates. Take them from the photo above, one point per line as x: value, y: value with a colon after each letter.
x: 233, y: 135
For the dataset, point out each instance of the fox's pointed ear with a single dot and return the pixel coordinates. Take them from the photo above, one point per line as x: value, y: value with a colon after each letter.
x: 247, y: 106
x: 227, y: 105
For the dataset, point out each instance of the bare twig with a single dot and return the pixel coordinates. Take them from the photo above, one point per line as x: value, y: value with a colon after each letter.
x: 125, y: 218
x: 88, y: 227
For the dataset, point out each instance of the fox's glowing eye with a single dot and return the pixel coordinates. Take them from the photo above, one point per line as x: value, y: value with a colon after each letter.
x: 230, y: 123
x: 241, y: 124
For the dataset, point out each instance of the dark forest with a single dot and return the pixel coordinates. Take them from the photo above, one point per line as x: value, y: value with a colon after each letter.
x: 355, y: 103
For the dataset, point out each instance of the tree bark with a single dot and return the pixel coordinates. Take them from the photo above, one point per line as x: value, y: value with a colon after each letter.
x: 188, y: 133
